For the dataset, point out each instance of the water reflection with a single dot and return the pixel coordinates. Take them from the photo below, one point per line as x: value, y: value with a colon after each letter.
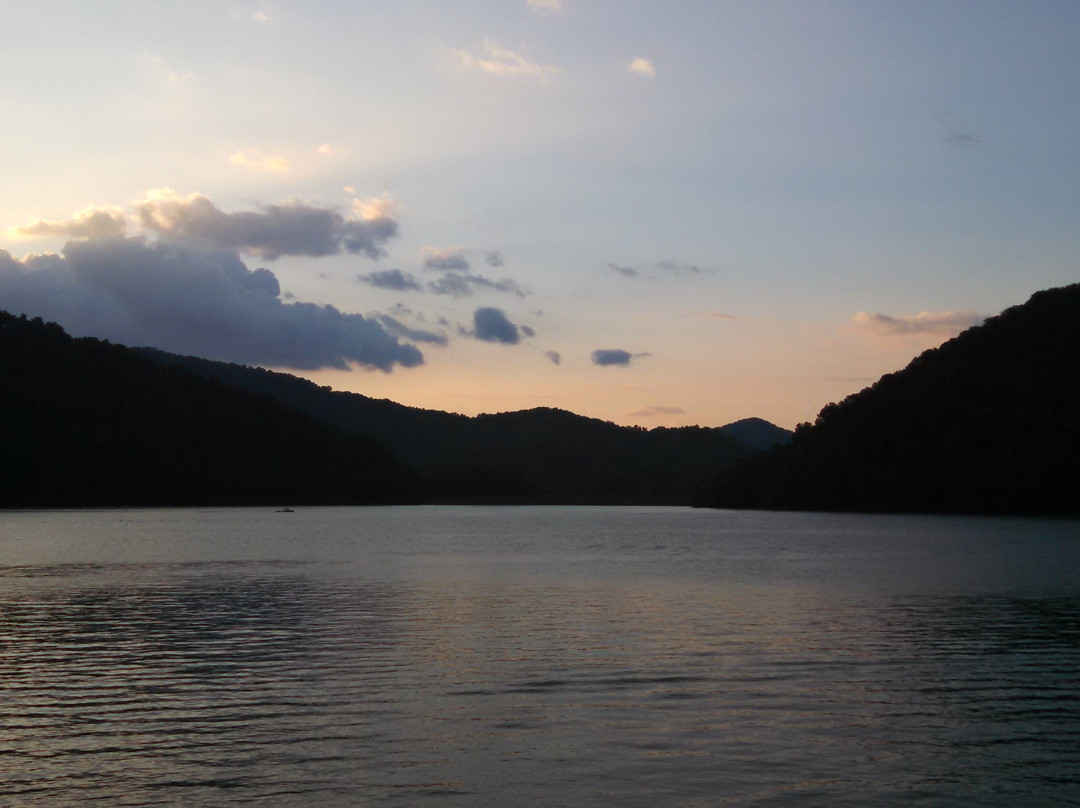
x: 181, y: 680
x: 307, y: 682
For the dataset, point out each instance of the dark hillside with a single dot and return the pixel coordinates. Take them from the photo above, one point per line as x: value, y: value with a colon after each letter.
x: 86, y: 423
x: 758, y: 433
x: 541, y: 454
x: 987, y: 423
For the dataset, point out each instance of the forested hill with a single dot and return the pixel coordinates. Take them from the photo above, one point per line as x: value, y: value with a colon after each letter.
x: 86, y: 423
x: 539, y: 455
x: 987, y: 423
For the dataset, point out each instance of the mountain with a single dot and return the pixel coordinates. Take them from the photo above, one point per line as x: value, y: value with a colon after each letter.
x: 989, y: 422
x: 87, y: 423
x: 540, y: 455
x: 758, y: 433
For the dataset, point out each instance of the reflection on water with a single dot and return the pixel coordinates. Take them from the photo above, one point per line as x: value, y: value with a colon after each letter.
x: 465, y: 677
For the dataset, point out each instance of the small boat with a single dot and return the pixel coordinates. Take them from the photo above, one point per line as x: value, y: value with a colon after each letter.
x: 284, y: 510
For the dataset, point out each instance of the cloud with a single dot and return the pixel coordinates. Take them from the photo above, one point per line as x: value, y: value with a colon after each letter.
x: 446, y: 258
x: 544, y: 6
x: 191, y: 300
x: 158, y: 68
x: 457, y: 281
x: 391, y: 279
x: 398, y: 328
x: 554, y: 357
x: 680, y: 268
x: 611, y: 356
x: 666, y: 267
x: 89, y: 222
x: 646, y: 412
x: 291, y: 228
x: 492, y: 325
x: 927, y: 322
x: 642, y: 67
x: 500, y: 61
x: 963, y: 140
x: 460, y: 284
x: 253, y: 158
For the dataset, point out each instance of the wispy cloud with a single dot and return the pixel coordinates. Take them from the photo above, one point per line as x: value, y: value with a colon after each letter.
x: 500, y: 61
x: 553, y: 356
x: 659, y: 268
x: 157, y: 67
x: 458, y: 280
x: 463, y: 284
x: 657, y: 410
x: 253, y: 158
x: 642, y: 67
x: 962, y: 140
x: 626, y: 272
x: 927, y: 322
x: 393, y: 279
x: 399, y: 329
x: 545, y: 6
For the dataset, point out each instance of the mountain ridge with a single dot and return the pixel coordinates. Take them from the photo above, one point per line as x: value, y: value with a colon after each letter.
x: 84, y: 423
x: 87, y: 423
x: 542, y: 453
x: 985, y: 423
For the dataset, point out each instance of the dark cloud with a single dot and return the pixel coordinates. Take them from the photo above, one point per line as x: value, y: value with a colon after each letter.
x: 962, y: 140
x: 554, y: 356
x: 271, y: 232
x: 492, y: 325
x: 611, y: 356
x: 451, y: 259
x: 391, y: 279
x: 191, y: 300
x: 463, y: 285
x: 662, y: 267
x: 494, y: 259
x: 398, y: 328
x: 680, y: 268
x: 628, y: 272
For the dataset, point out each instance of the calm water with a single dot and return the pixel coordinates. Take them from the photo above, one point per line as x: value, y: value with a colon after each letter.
x: 537, y: 656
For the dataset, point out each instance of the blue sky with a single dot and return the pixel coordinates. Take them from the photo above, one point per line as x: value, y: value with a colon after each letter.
x: 658, y: 213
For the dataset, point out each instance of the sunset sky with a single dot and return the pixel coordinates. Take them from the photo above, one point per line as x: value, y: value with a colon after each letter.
x: 655, y: 213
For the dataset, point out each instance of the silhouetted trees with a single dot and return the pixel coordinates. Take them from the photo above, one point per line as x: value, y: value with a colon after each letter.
x: 986, y: 423
x: 86, y: 423
x: 538, y: 455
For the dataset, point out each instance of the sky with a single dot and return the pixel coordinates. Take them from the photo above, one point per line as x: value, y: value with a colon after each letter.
x: 653, y: 213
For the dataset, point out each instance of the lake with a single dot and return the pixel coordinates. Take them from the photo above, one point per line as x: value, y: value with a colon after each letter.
x: 547, y: 656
